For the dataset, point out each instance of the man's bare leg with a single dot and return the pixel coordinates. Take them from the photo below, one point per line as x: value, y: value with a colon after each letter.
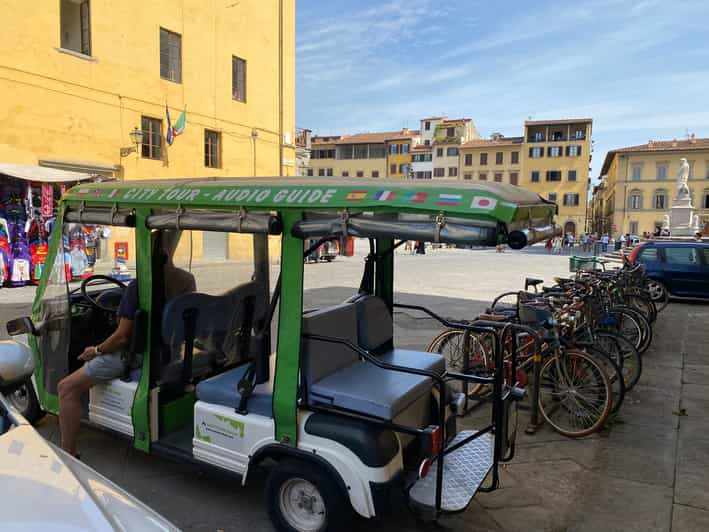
x: 70, y: 390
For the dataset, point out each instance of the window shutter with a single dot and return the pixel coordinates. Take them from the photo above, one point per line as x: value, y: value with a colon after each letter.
x: 530, y: 151
x: 568, y: 150
x: 578, y: 150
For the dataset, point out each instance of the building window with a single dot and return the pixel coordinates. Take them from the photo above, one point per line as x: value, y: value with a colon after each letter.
x: 535, y: 176
x: 452, y: 152
x: 635, y: 200
x: 572, y: 175
x: 427, y: 142
x: 212, y: 145
x: 483, y: 176
x: 661, y: 170
x: 170, y: 56
x: 468, y: 159
x: 499, y: 157
x: 552, y: 196
x: 321, y: 172
x: 329, y: 172
x: 377, y: 151
x: 152, y: 137
x: 439, y: 172
x: 571, y: 200
x: 404, y: 148
x: 361, y: 151
x: 360, y: 173
x: 375, y: 173
x: 393, y: 149
x: 633, y: 228
x: 404, y: 168
x: 467, y: 177
x: 498, y: 177
x: 427, y: 125
x: 557, y: 136
x: 659, y: 200
x: 514, y: 157
x: 573, y: 151
x: 514, y: 178
x: 439, y: 152
x: 538, y: 136
x: 707, y: 172
x: 553, y: 175
x: 238, y: 79
x: 580, y: 134
x: 392, y: 168
x: 637, y: 171
x: 536, y: 152
x: 345, y: 174
x: 554, y: 151
x: 75, y: 26
x: 310, y: 172
x: 450, y: 132
x: 453, y: 171
x: 705, y: 200
x: 483, y: 158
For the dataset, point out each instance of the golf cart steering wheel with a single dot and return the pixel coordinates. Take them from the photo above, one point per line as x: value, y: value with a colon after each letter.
x: 94, y: 300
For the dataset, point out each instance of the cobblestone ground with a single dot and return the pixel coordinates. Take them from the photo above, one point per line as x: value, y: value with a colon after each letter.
x: 648, y: 472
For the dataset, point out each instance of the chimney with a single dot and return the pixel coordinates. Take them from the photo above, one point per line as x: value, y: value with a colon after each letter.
x: 674, y: 143
x: 650, y: 143
x: 405, y: 131
x: 692, y: 139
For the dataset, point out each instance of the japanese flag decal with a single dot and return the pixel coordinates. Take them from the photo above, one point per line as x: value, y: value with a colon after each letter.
x: 483, y: 202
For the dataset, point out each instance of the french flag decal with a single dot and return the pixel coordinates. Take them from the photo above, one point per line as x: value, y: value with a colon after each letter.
x: 482, y: 202
x: 385, y: 195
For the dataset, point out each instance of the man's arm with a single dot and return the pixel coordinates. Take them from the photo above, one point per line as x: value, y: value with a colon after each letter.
x: 120, y: 339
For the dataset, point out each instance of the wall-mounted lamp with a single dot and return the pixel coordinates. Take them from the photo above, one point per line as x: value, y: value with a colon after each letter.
x: 137, y: 137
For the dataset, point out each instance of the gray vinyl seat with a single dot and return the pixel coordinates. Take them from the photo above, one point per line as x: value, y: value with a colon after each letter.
x: 219, y: 324
x: 223, y: 390
x: 336, y: 376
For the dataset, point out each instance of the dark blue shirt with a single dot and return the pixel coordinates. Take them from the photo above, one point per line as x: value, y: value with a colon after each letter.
x: 129, y: 302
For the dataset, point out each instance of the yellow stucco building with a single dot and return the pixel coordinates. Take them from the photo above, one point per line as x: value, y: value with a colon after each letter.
x: 76, y: 77
x: 555, y: 164
x: 638, y: 185
x: 498, y: 159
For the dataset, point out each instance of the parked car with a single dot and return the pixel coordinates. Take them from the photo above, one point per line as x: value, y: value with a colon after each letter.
x: 679, y: 268
x: 44, y: 488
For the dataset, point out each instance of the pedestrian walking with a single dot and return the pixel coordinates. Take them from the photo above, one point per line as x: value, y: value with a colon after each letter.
x: 604, y: 242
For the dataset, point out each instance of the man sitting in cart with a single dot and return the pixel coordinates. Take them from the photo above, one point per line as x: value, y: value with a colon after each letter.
x: 106, y: 361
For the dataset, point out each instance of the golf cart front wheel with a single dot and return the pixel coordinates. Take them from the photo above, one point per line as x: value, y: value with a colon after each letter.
x: 301, y: 497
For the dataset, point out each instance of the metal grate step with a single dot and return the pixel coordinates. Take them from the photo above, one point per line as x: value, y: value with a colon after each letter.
x: 463, y: 472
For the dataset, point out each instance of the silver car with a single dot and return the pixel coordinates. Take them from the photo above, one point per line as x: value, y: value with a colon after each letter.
x: 44, y: 488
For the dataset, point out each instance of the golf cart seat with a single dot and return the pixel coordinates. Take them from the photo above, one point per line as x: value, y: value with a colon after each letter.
x: 219, y: 326
x: 223, y: 390
x: 336, y: 376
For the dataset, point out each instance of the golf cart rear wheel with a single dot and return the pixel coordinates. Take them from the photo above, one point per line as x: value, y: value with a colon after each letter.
x: 301, y: 497
x: 24, y: 400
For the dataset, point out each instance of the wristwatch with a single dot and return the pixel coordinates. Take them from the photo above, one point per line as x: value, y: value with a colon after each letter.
x: 97, y: 351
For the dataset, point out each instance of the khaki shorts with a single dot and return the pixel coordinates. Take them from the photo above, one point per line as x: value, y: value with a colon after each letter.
x: 105, y: 367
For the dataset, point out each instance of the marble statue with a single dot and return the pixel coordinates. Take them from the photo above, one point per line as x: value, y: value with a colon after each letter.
x: 682, y: 177
x: 695, y: 222
x: 666, y: 222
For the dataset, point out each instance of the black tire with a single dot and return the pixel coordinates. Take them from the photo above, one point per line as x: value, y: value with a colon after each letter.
x: 328, y: 499
x: 622, y: 352
x: 25, y: 401
x: 658, y: 293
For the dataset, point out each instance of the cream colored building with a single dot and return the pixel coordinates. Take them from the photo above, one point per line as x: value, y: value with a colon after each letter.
x: 639, y: 183
x: 498, y: 159
x: 448, y: 136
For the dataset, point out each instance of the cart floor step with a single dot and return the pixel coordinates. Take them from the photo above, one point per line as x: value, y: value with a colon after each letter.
x: 464, y: 470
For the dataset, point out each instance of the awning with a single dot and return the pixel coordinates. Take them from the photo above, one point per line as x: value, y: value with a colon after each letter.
x: 41, y: 174
x: 86, y: 167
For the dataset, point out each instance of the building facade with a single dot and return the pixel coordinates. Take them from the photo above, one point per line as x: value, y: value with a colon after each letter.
x: 638, y: 185
x: 555, y: 164
x: 78, y: 77
x: 399, y: 154
x: 303, y: 147
x: 448, y: 137
x: 422, y: 161
x: 498, y: 159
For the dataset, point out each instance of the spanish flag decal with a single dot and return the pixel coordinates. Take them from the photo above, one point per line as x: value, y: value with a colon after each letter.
x: 356, y: 195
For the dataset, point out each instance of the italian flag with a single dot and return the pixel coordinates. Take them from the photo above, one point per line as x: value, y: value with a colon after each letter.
x: 178, y: 128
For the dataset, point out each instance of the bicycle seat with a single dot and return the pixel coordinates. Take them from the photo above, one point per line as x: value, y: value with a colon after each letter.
x: 532, y: 281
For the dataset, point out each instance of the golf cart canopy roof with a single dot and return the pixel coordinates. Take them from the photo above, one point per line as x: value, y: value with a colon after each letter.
x: 445, y: 210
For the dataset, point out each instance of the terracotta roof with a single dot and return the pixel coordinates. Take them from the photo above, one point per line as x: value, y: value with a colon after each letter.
x: 374, y: 138
x: 483, y: 143
x: 658, y: 146
x: 557, y: 122
x: 423, y: 147
x: 454, y: 120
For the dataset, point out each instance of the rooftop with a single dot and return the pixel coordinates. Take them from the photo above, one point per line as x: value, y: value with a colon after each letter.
x: 484, y: 143
x: 659, y: 146
x: 557, y: 122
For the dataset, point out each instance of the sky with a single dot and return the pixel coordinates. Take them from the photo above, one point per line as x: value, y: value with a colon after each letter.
x: 639, y: 68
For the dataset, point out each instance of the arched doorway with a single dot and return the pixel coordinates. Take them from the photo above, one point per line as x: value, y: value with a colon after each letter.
x: 569, y: 228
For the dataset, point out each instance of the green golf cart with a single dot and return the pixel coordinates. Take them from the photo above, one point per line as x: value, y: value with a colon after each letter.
x: 234, y: 373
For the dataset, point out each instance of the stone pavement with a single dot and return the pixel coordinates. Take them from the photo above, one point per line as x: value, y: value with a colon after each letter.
x: 648, y: 472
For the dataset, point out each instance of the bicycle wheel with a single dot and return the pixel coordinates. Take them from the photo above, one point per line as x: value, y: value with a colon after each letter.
x: 624, y: 353
x: 625, y: 323
x: 575, y: 395
x: 450, y: 344
x: 614, y: 372
x: 644, y: 324
x: 643, y: 304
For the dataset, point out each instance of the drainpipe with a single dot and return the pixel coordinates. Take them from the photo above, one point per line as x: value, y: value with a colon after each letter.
x: 280, y: 87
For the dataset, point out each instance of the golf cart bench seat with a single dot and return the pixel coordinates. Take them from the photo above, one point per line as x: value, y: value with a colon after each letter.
x: 223, y: 390
x: 336, y: 376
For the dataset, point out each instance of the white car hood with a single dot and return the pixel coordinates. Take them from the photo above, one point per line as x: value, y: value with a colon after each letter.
x: 43, y: 488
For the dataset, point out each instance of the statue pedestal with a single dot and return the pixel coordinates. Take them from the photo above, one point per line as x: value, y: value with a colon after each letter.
x: 682, y: 216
